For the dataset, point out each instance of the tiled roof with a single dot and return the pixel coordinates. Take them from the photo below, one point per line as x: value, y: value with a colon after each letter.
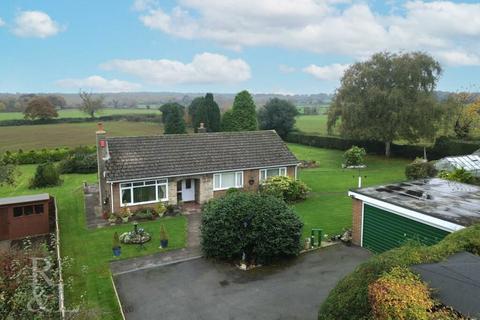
x: 181, y: 154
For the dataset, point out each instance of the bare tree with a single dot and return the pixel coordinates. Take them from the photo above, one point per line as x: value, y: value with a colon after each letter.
x: 115, y: 103
x: 90, y: 104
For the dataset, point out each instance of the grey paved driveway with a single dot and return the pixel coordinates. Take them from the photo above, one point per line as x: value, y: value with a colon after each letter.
x: 203, y: 289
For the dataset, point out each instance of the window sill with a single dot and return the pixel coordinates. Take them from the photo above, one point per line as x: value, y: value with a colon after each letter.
x: 142, y: 203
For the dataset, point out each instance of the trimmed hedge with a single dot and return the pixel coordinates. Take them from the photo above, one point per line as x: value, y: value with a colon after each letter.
x: 443, y: 147
x: 42, y: 156
x: 148, y: 117
x: 349, y: 299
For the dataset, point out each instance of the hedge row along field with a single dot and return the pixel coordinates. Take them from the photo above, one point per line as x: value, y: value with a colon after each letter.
x: 147, y: 117
x: 443, y: 146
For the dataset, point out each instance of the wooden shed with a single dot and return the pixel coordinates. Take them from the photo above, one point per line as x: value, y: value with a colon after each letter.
x: 24, y: 216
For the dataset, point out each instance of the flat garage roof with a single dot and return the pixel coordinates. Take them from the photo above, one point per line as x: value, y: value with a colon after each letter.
x: 24, y: 199
x: 450, y: 201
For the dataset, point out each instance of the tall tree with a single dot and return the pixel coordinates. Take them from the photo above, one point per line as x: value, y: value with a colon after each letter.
x: 192, y: 108
x: 3, y: 107
x: 208, y: 113
x: 40, y: 108
x: 243, y: 116
x: 388, y: 97
x: 90, y: 104
x: 169, y: 107
x: 278, y: 115
x: 174, y: 121
x: 57, y: 101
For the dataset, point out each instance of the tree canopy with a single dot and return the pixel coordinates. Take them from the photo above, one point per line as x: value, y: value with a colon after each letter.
x: 278, y: 115
x: 170, y: 107
x: 207, y: 113
x: 388, y: 97
x: 174, y: 121
x: 40, y: 108
x: 90, y: 104
x: 243, y: 115
x: 192, y: 108
x: 7, y: 173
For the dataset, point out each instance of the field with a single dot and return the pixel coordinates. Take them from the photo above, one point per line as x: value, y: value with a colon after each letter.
x: 90, y: 250
x: 328, y: 206
x: 76, y: 113
x: 68, y: 134
x: 312, y: 124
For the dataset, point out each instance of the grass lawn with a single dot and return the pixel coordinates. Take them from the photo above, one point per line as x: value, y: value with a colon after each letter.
x: 313, y: 124
x: 328, y: 206
x: 76, y: 113
x: 68, y: 134
x: 91, y: 250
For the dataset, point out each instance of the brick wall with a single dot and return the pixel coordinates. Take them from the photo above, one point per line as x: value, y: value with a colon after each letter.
x: 357, y: 221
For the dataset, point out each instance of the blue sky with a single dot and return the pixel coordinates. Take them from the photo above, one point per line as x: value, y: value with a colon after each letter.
x: 295, y: 46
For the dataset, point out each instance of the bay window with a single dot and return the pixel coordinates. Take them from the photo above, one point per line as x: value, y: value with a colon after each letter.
x: 141, y: 192
x: 272, y: 172
x: 227, y: 180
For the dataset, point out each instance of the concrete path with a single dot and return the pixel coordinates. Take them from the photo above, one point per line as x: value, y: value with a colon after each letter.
x: 209, y: 290
x: 93, y: 210
x: 192, y: 251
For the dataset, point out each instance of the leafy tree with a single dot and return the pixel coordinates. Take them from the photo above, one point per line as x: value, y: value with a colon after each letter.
x: 243, y: 114
x: 57, y: 101
x: 192, y: 108
x: 7, y: 173
x: 46, y: 175
x: 40, y: 108
x: 278, y: 115
x: 91, y: 105
x: 388, y: 97
x: 3, y: 107
x: 207, y: 112
x: 263, y: 227
x: 460, y: 114
x: 170, y: 107
x: 175, y: 122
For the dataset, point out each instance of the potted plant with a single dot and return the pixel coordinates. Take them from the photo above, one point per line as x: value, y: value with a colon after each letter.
x: 163, y: 237
x: 116, y: 248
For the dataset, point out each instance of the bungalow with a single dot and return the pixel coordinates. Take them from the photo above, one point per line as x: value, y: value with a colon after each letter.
x: 137, y: 172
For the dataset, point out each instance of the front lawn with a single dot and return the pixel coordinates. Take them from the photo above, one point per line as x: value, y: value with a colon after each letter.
x: 91, y: 250
x: 328, y: 206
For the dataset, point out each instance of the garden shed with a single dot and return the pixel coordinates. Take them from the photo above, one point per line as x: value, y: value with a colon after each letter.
x: 385, y: 217
x: 470, y: 163
x: 25, y: 216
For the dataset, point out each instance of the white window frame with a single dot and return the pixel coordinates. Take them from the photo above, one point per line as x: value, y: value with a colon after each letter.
x: 238, y: 180
x: 130, y: 186
x: 263, y: 173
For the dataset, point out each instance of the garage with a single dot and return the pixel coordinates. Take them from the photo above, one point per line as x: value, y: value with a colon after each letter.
x: 424, y: 211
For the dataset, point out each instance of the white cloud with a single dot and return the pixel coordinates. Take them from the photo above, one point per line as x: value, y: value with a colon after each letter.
x: 286, y: 69
x: 331, y: 72
x: 98, y: 84
x: 142, y: 5
x: 205, y: 68
x: 36, y: 24
x: 2, y: 23
x: 351, y: 28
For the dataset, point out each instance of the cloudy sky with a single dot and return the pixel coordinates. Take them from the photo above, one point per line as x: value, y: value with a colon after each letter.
x: 281, y: 46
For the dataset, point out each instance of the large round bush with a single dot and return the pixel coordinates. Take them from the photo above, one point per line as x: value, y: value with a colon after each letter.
x: 46, y: 175
x: 263, y: 227
x: 285, y: 188
x: 420, y: 169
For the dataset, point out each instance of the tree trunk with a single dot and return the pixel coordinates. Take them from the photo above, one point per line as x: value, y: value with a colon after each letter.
x: 387, y: 149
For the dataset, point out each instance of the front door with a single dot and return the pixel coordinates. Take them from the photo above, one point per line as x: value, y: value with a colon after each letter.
x: 188, y: 190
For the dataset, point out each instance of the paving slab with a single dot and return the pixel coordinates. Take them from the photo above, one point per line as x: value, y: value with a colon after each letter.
x: 205, y: 289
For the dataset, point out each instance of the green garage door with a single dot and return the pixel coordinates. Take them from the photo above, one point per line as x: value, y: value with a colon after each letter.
x: 383, y: 230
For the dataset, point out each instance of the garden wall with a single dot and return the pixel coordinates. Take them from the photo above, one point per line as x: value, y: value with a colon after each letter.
x: 443, y: 146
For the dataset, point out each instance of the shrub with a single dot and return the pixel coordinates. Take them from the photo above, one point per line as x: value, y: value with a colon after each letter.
x: 231, y: 190
x: 400, y: 294
x: 420, y: 169
x: 46, y: 175
x: 459, y: 175
x: 285, y: 188
x: 349, y: 299
x: 354, y: 156
x: 82, y: 160
x: 263, y: 227
x: 144, y: 213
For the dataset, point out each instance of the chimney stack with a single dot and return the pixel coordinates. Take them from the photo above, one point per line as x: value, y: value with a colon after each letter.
x: 202, y: 128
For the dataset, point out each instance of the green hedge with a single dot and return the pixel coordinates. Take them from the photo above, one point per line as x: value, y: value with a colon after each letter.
x: 148, y: 117
x: 349, y: 299
x: 443, y: 146
x: 41, y: 156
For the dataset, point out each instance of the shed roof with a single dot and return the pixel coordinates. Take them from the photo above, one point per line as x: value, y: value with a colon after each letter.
x: 450, y: 201
x: 456, y: 282
x: 184, y: 154
x: 24, y: 199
